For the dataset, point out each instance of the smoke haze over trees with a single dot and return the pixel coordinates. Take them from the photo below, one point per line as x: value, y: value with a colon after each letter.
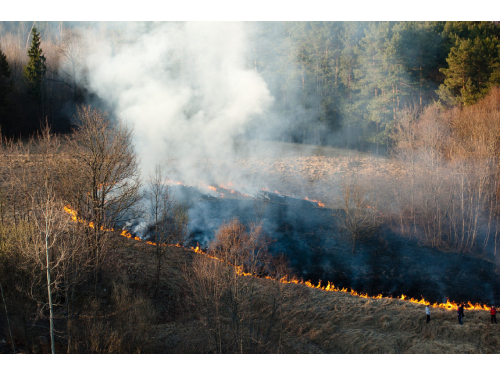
x: 331, y: 83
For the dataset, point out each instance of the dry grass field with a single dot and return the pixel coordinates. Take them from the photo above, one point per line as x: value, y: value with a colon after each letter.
x: 301, y: 170
x: 317, y: 321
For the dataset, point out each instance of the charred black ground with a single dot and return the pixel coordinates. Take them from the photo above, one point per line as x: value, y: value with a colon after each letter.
x: 385, y: 264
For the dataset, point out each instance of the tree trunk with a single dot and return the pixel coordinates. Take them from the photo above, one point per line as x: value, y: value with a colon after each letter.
x: 49, y: 294
x: 68, y: 319
x: 8, y: 321
x: 158, y: 268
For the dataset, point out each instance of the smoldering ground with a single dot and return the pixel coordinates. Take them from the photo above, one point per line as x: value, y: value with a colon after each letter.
x: 385, y: 263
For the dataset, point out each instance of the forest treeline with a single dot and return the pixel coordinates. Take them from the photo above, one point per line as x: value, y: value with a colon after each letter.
x: 346, y: 83
x: 335, y: 83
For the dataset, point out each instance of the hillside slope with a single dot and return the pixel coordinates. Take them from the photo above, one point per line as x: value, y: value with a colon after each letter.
x: 317, y: 321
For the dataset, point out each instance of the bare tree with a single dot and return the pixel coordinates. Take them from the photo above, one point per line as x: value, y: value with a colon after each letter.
x: 29, y: 166
x: 50, y: 221
x: 239, y: 252
x: 241, y: 314
x: 245, y: 250
x: 76, y: 266
x: 161, y: 210
x: 207, y: 282
x: 70, y: 50
x: 106, y: 169
x: 405, y: 138
x: 358, y: 217
x: 447, y: 193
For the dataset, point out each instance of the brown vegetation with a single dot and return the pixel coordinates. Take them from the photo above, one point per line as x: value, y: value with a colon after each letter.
x: 93, y: 291
x: 447, y: 196
x: 356, y: 218
x: 439, y: 186
x: 238, y: 316
x: 46, y: 264
x: 309, y: 320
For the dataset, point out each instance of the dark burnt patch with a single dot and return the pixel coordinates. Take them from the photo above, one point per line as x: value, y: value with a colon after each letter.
x: 384, y: 263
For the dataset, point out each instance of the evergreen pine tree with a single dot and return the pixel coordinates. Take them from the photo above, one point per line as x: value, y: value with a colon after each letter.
x: 419, y: 48
x: 471, y: 63
x: 5, y: 88
x: 376, y: 80
x: 35, y: 70
x: 4, y: 66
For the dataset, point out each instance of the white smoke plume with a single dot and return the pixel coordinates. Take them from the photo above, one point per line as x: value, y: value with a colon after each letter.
x: 183, y: 86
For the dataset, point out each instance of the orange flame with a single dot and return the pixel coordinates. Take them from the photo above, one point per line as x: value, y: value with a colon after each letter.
x: 329, y: 287
x: 319, y: 203
x: 229, y: 185
x: 232, y: 190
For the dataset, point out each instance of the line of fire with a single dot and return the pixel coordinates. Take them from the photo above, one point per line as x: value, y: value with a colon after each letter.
x: 325, y: 286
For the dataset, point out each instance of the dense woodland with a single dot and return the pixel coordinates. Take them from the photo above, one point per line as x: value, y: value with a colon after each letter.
x: 423, y: 92
x: 347, y: 83
x: 337, y: 83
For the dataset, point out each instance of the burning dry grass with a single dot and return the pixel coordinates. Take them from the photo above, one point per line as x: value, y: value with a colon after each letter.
x: 317, y: 321
x: 302, y: 170
x: 346, y: 324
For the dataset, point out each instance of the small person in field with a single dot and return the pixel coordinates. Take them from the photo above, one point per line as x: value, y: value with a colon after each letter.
x: 428, y: 313
x: 493, y: 313
x: 460, y: 313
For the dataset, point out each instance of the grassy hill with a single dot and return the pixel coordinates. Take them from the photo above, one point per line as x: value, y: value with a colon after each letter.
x: 315, y: 321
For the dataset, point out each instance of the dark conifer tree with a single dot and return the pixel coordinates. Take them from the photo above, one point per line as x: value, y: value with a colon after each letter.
x: 5, y: 89
x: 471, y: 64
x: 35, y: 70
x: 4, y: 66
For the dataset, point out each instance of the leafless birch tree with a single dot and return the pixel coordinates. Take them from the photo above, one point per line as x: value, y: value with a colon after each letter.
x: 50, y: 221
